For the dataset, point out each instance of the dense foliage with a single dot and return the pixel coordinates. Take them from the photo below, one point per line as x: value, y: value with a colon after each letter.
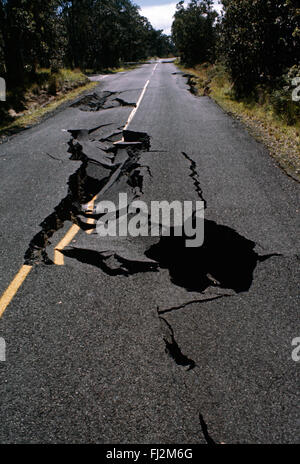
x: 77, y: 33
x: 193, y: 31
x: 257, y: 40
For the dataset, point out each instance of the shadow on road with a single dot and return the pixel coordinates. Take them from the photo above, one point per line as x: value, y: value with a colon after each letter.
x: 226, y: 260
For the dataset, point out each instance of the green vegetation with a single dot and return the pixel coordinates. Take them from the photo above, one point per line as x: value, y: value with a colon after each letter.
x: 247, y: 65
x: 259, y: 41
x: 193, y: 31
x: 25, y: 106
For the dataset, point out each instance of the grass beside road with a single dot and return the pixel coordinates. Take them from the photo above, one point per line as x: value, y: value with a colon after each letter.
x: 40, y: 95
x: 281, y: 138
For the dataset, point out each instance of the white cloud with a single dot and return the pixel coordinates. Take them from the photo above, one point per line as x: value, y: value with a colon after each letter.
x: 161, y: 16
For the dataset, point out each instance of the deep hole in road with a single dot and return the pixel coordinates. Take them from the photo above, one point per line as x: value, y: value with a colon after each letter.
x: 226, y: 259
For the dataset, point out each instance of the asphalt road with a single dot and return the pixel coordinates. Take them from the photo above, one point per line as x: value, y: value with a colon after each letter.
x: 141, y: 340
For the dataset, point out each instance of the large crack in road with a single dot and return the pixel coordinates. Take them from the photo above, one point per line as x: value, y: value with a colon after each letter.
x: 111, y: 164
x: 102, y: 164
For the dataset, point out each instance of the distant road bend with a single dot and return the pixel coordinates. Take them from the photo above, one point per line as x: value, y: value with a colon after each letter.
x: 142, y: 340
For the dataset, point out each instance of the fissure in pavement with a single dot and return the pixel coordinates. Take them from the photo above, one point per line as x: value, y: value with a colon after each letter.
x: 172, y: 347
x: 102, y: 164
x: 100, y: 101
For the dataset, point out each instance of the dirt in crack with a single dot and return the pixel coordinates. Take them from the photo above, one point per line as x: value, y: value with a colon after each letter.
x: 100, y: 101
x: 102, y: 164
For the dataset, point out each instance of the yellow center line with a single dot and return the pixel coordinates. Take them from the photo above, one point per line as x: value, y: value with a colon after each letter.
x: 13, y: 288
x: 58, y: 256
x: 90, y: 209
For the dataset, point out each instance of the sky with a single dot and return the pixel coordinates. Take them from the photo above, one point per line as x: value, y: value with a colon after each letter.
x: 160, y: 12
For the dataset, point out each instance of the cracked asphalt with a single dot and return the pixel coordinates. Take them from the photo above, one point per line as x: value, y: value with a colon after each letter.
x: 142, y: 340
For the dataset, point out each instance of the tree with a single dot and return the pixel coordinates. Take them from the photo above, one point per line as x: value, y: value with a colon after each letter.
x: 30, y: 35
x: 193, y: 31
x: 259, y: 40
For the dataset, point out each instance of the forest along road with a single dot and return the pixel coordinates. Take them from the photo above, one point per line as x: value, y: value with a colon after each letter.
x: 141, y: 340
